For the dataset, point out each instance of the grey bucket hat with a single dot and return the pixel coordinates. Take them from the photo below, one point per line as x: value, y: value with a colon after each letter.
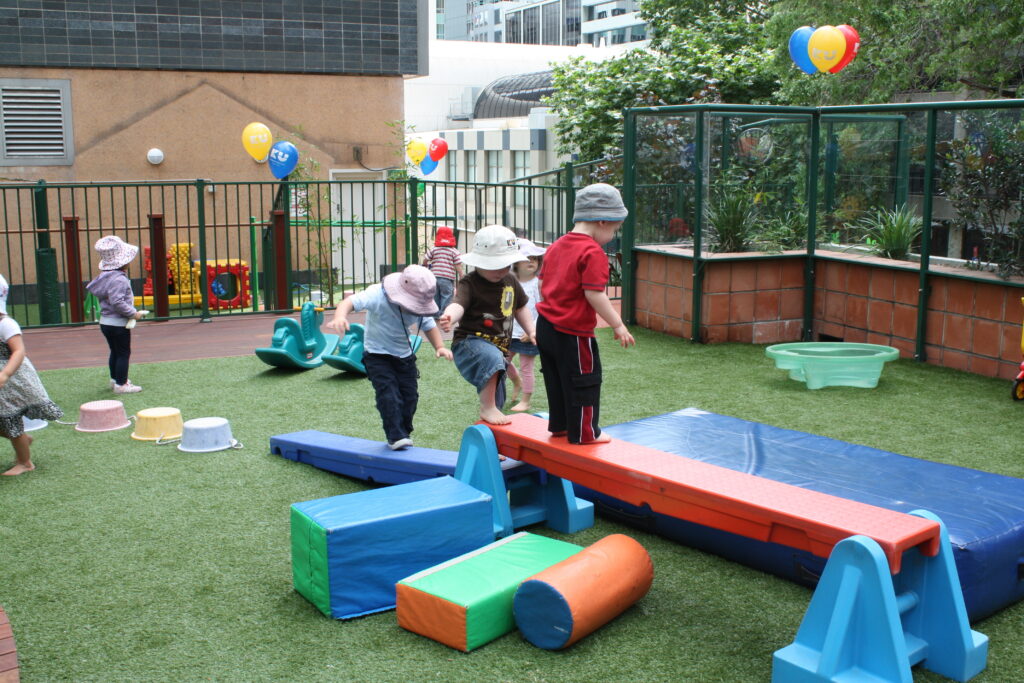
x: 599, y: 202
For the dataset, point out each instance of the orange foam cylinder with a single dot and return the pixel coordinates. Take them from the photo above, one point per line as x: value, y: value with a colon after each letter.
x: 558, y: 606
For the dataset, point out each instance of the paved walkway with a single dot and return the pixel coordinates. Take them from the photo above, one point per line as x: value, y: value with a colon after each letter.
x: 54, y: 348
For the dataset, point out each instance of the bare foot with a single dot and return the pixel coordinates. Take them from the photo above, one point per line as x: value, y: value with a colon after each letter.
x: 494, y: 417
x: 18, y: 469
x: 520, y: 407
x: 604, y: 438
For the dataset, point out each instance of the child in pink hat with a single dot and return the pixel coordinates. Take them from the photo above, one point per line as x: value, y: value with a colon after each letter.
x: 113, y: 289
x: 403, y: 301
x: 445, y: 262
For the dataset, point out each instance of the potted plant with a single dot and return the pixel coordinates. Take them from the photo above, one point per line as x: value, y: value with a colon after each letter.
x: 731, y: 218
x: 890, y: 233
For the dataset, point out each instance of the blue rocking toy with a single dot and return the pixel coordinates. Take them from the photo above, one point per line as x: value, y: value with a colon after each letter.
x: 349, y: 354
x: 299, y: 344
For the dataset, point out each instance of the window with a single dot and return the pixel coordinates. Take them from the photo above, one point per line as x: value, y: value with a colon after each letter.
x: 494, y: 167
x: 551, y: 20
x: 618, y: 12
x: 471, y: 166
x: 571, y: 22
x: 520, y: 168
x: 450, y: 167
x: 531, y: 25
x: 35, y: 117
x: 513, y: 27
x: 497, y: 36
x: 497, y: 17
x: 521, y: 163
x: 602, y: 15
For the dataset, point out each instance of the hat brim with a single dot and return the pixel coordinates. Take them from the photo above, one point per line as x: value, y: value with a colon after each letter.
x: 594, y: 216
x: 123, y: 259
x: 492, y: 262
x: 393, y: 288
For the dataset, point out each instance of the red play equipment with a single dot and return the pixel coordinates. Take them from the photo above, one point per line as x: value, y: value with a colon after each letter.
x: 732, y: 501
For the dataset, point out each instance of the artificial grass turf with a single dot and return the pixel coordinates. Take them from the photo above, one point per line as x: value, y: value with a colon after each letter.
x: 126, y: 561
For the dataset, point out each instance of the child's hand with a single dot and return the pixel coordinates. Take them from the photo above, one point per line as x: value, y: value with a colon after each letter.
x: 339, y: 325
x: 444, y: 352
x: 445, y: 323
x: 625, y: 338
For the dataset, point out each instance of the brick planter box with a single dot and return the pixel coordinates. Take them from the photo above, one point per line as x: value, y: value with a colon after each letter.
x: 973, y: 321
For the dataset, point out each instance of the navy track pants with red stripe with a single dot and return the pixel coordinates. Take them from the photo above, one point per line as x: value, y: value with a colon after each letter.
x: 571, y: 367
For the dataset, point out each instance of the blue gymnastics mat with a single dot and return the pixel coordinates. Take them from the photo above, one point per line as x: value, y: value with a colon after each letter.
x: 983, y: 512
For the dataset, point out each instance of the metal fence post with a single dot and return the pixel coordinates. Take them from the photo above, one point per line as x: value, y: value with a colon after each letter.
x: 204, y: 284
x: 412, y: 229
x: 157, y: 254
x: 282, y: 288
x: 47, y: 285
x: 73, y: 268
x: 812, y: 226
x: 627, y: 303
x: 924, y: 285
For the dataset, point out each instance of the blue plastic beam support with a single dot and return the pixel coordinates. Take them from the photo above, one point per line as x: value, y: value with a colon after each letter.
x: 566, y: 513
x: 865, y: 625
x: 479, y: 466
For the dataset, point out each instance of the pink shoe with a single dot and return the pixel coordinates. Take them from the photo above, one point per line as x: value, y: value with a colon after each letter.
x: 127, y: 388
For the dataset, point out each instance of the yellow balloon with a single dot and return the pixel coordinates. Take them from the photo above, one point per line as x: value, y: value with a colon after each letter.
x: 826, y: 47
x: 416, y: 149
x: 257, y: 140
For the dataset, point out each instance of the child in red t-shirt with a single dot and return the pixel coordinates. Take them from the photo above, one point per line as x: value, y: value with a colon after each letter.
x: 573, y: 295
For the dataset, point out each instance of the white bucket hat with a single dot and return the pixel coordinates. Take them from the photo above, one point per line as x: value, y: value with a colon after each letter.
x: 494, y: 247
x: 4, y: 289
x: 413, y: 289
x: 528, y: 248
x: 115, y: 252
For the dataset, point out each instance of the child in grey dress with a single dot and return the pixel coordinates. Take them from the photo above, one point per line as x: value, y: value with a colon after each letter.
x: 21, y: 392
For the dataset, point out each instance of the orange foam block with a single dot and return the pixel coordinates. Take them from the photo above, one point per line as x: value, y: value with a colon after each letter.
x: 577, y: 596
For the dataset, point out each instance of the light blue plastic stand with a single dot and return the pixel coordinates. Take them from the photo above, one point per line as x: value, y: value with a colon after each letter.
x: 518, y: 501
x: 863, y: 624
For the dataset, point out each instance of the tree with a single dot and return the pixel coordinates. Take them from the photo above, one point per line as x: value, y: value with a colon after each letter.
x: 700, y: 52
x: 917, y: 45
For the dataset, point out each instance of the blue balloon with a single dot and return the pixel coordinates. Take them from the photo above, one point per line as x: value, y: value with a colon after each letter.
x: 798, y: 49
x: 428, y: 165
x: 283, y: 159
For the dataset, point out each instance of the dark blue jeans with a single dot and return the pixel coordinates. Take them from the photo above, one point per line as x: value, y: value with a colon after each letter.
x: 394, y: 381
x: 119, y: 339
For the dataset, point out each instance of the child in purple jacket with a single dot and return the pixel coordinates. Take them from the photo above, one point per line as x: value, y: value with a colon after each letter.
x: 114, y: 291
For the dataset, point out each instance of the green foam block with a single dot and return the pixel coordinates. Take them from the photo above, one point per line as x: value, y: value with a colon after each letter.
x: 467, y: 602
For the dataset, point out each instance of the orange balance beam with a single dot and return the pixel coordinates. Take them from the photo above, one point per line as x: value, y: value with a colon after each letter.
x: 714, y: 496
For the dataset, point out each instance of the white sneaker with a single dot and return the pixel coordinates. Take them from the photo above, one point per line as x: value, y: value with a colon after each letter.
x: 400, y: 444
x: 113, y: 383
x: 127, y: 388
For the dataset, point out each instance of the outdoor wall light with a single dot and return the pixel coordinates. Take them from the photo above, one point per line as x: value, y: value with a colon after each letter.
x: 155, y: 156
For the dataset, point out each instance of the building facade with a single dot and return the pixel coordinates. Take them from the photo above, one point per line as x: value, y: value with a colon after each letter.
x: 87, y: 88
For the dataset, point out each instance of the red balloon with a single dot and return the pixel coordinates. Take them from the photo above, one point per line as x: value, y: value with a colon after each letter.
x: 438, y: 148
x: 852, y: 45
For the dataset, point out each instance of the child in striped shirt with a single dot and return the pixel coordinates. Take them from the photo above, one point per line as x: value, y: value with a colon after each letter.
x: 445, y: 262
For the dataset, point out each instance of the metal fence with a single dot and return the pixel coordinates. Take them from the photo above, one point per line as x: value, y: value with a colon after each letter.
x: 213, y: 249
x: 939, y: 183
